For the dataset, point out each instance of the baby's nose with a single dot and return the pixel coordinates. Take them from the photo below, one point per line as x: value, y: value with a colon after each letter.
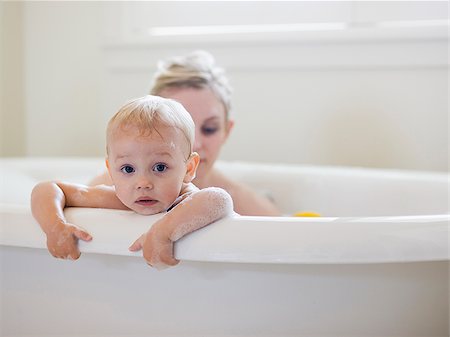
x: 144, y: 182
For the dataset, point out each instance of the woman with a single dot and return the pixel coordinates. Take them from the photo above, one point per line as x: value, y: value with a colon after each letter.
x: 196, y: 82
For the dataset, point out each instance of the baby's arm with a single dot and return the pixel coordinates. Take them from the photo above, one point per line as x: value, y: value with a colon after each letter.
x: 48, y: 200
x: 199, y: 209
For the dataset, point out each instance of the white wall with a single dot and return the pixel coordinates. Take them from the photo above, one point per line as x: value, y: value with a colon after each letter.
x: 64, y: 70
x: 363, y: 97
x: 12, y: 103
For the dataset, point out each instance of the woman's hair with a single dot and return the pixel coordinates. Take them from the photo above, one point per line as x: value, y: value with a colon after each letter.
x: 148, y: 112
x: 195, y: 70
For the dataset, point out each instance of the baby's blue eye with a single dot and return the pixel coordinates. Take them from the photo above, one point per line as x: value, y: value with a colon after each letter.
x: 127, y: 169
x: 160, y: 167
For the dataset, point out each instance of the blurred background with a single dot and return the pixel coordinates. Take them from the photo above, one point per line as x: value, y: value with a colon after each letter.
x: 318, y: 83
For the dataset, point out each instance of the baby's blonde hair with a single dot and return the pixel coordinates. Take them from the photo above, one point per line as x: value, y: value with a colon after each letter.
x: 148, y: 112
x: 196, y: 70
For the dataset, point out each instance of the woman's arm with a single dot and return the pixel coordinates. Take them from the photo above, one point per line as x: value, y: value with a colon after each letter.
x: 199, y: 209
x: 248, y: 202
x: 48, y: 200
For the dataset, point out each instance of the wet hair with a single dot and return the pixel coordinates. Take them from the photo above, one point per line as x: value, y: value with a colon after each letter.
x: 195, y: 70
x: 148, y: 112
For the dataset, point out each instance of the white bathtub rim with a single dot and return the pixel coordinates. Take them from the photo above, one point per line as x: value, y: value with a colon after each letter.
x: 393, y: 239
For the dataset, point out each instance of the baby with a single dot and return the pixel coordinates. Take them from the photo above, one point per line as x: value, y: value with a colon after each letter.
x: 151, y: 163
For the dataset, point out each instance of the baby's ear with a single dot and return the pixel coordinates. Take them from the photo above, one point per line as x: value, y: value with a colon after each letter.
x: 191, y: 167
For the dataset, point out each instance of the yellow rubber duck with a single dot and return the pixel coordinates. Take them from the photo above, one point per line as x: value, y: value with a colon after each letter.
x: 307, y: 214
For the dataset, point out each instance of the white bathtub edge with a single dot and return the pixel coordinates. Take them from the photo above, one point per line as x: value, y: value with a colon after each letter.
x: 254, y: 239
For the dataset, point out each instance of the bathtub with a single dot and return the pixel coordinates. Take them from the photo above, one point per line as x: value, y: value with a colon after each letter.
x: 375, y: 264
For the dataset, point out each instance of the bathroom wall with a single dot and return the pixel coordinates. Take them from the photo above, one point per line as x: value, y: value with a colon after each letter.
x: 63, y: 78
x: 12, y: 100
x: 367, y: 95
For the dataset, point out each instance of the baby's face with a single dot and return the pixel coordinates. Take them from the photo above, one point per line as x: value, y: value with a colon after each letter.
x: 148, y: 172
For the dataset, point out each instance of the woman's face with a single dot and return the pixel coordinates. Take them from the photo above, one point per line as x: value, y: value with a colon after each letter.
x: 211, y: 126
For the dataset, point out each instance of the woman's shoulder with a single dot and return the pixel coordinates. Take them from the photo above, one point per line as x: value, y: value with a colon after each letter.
x: 247, y: 201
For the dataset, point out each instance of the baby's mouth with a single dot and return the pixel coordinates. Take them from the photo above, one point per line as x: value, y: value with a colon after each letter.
x: 144, y: 201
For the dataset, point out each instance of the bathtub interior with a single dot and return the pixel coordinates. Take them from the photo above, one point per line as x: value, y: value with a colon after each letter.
x: 329, y: 191
x: 345, y: 191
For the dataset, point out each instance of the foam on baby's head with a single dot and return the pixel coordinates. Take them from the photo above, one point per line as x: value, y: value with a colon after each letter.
x: 148, y: 112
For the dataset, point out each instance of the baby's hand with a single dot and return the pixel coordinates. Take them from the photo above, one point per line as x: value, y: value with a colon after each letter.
x: 157, y: 248
x: 62, y: 241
